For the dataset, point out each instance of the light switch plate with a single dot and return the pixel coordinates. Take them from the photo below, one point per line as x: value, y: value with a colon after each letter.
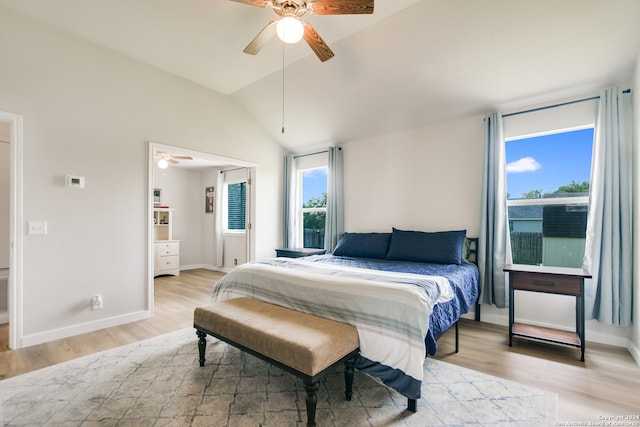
x: 37, y: 227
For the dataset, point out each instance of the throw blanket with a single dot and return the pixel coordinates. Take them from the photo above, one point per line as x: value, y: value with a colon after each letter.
x: 390, y: 310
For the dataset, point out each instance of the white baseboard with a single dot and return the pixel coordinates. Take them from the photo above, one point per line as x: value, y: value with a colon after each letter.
x: 203, y: 266
x: 56, y: 334
x: 635, y: 352
x: 192, y: 267
x: 494, y: 319
x: 607, y: 339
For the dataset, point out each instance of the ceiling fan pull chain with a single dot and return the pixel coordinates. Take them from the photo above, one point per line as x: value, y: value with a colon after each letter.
x: 282, y: 87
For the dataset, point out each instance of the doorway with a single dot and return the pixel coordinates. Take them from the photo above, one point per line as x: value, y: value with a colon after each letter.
x: 10, y: 218
x: 187, y: 184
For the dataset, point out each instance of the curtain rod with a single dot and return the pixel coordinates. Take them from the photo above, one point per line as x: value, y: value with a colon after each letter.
x: 557, y: 105
x: 311, y: 154
x: 231, y: 170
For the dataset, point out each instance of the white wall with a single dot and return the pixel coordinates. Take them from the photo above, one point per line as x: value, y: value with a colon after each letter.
x: 208, y: 178
x: 426, y: 179
x: 89, y: 111
x: 430, y: 179
x: 635, y: 335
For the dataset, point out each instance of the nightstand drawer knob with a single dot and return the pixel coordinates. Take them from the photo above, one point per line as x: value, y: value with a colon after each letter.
x: 543, y: 283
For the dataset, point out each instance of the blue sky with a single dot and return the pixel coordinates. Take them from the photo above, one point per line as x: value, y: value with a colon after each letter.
x: 549, y: 161
x: 314, y: 183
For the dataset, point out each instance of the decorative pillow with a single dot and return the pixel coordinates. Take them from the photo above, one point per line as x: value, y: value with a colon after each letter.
x: 363, y: 245
x: 465, y: 249
x: 442, y: 247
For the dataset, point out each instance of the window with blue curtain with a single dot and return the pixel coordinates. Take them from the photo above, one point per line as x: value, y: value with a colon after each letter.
x: 313, y: 206
x: 314, y: 214
x: 548, y: 176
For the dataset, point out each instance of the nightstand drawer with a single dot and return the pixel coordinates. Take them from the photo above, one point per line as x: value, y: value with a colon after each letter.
x: 549, y: 283
x: 165, y: 249
x: 168, y: 263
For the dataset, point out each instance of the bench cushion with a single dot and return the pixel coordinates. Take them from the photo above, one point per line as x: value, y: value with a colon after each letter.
x: 299, y: 340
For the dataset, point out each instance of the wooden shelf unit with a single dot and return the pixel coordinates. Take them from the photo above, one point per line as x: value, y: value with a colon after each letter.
x: 548, y: 280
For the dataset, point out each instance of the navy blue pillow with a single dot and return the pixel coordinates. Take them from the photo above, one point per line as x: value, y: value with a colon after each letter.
x: 363, y: 245
x: 442, y: 247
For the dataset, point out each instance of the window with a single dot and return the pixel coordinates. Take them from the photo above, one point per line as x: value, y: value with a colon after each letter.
x: 313, y: 206
x: 548, y: 179
x: 308, y: 200
x: 236, y: 205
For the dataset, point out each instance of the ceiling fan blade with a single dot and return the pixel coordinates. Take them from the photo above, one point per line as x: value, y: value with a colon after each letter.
x: 341, y: 7
x: 261, y: 39
x: 172, y: 161
x: 259, y: 3
x: 182, y: 157
x: 316, y: 43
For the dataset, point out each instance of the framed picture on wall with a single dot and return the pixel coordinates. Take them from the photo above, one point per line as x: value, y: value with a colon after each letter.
x: 209, y: 199
x: 157, y: 197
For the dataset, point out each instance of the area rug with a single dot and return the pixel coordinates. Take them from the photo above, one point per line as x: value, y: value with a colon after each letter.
x: 159, y: 382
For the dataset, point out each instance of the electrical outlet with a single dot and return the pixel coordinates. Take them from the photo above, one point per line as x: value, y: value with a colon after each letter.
x: 96, y: 302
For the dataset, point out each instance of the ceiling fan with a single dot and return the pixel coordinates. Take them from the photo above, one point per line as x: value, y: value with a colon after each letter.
x: 290, y: 28
x: 165, y: 158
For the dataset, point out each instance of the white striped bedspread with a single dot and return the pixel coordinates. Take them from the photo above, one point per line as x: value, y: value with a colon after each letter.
x: 390, y: 310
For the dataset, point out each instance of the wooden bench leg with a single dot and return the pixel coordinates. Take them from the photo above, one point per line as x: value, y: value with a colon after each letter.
x: 311, y: 401
x: 412, y: 405
x: 348, y: 376
x: 202, y: 345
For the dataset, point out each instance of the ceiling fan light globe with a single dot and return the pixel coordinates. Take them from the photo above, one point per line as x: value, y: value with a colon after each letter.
x: 163, y: 164
x: 290, y: 29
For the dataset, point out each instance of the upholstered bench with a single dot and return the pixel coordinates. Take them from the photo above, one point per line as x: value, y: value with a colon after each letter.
x: 302, y: 344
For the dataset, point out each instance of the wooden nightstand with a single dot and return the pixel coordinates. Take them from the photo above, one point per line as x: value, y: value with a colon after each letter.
x: 298, y: 252
x: 548, y: 280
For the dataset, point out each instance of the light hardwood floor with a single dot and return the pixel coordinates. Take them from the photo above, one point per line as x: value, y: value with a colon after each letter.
x: 175, y: 300
x: 607, y: 384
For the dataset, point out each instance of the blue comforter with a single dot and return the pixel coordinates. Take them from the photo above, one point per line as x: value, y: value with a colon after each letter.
x: 464, y: 279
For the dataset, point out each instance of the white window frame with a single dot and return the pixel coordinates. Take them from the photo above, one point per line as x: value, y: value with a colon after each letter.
x: 549, y: 122
x: 305, y: 163
x: 300, y: 211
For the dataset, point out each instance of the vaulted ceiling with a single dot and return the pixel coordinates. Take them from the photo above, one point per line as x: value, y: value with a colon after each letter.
x: 410, y: 64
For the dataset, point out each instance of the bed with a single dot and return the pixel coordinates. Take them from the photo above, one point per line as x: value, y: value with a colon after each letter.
x: 401, y: 290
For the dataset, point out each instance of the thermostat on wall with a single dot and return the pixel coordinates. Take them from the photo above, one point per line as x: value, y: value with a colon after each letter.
x: 74, y: 181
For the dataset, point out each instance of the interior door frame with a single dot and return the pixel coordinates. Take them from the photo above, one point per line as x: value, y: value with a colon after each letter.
x: 216, y: 160
x: 14, y: 284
